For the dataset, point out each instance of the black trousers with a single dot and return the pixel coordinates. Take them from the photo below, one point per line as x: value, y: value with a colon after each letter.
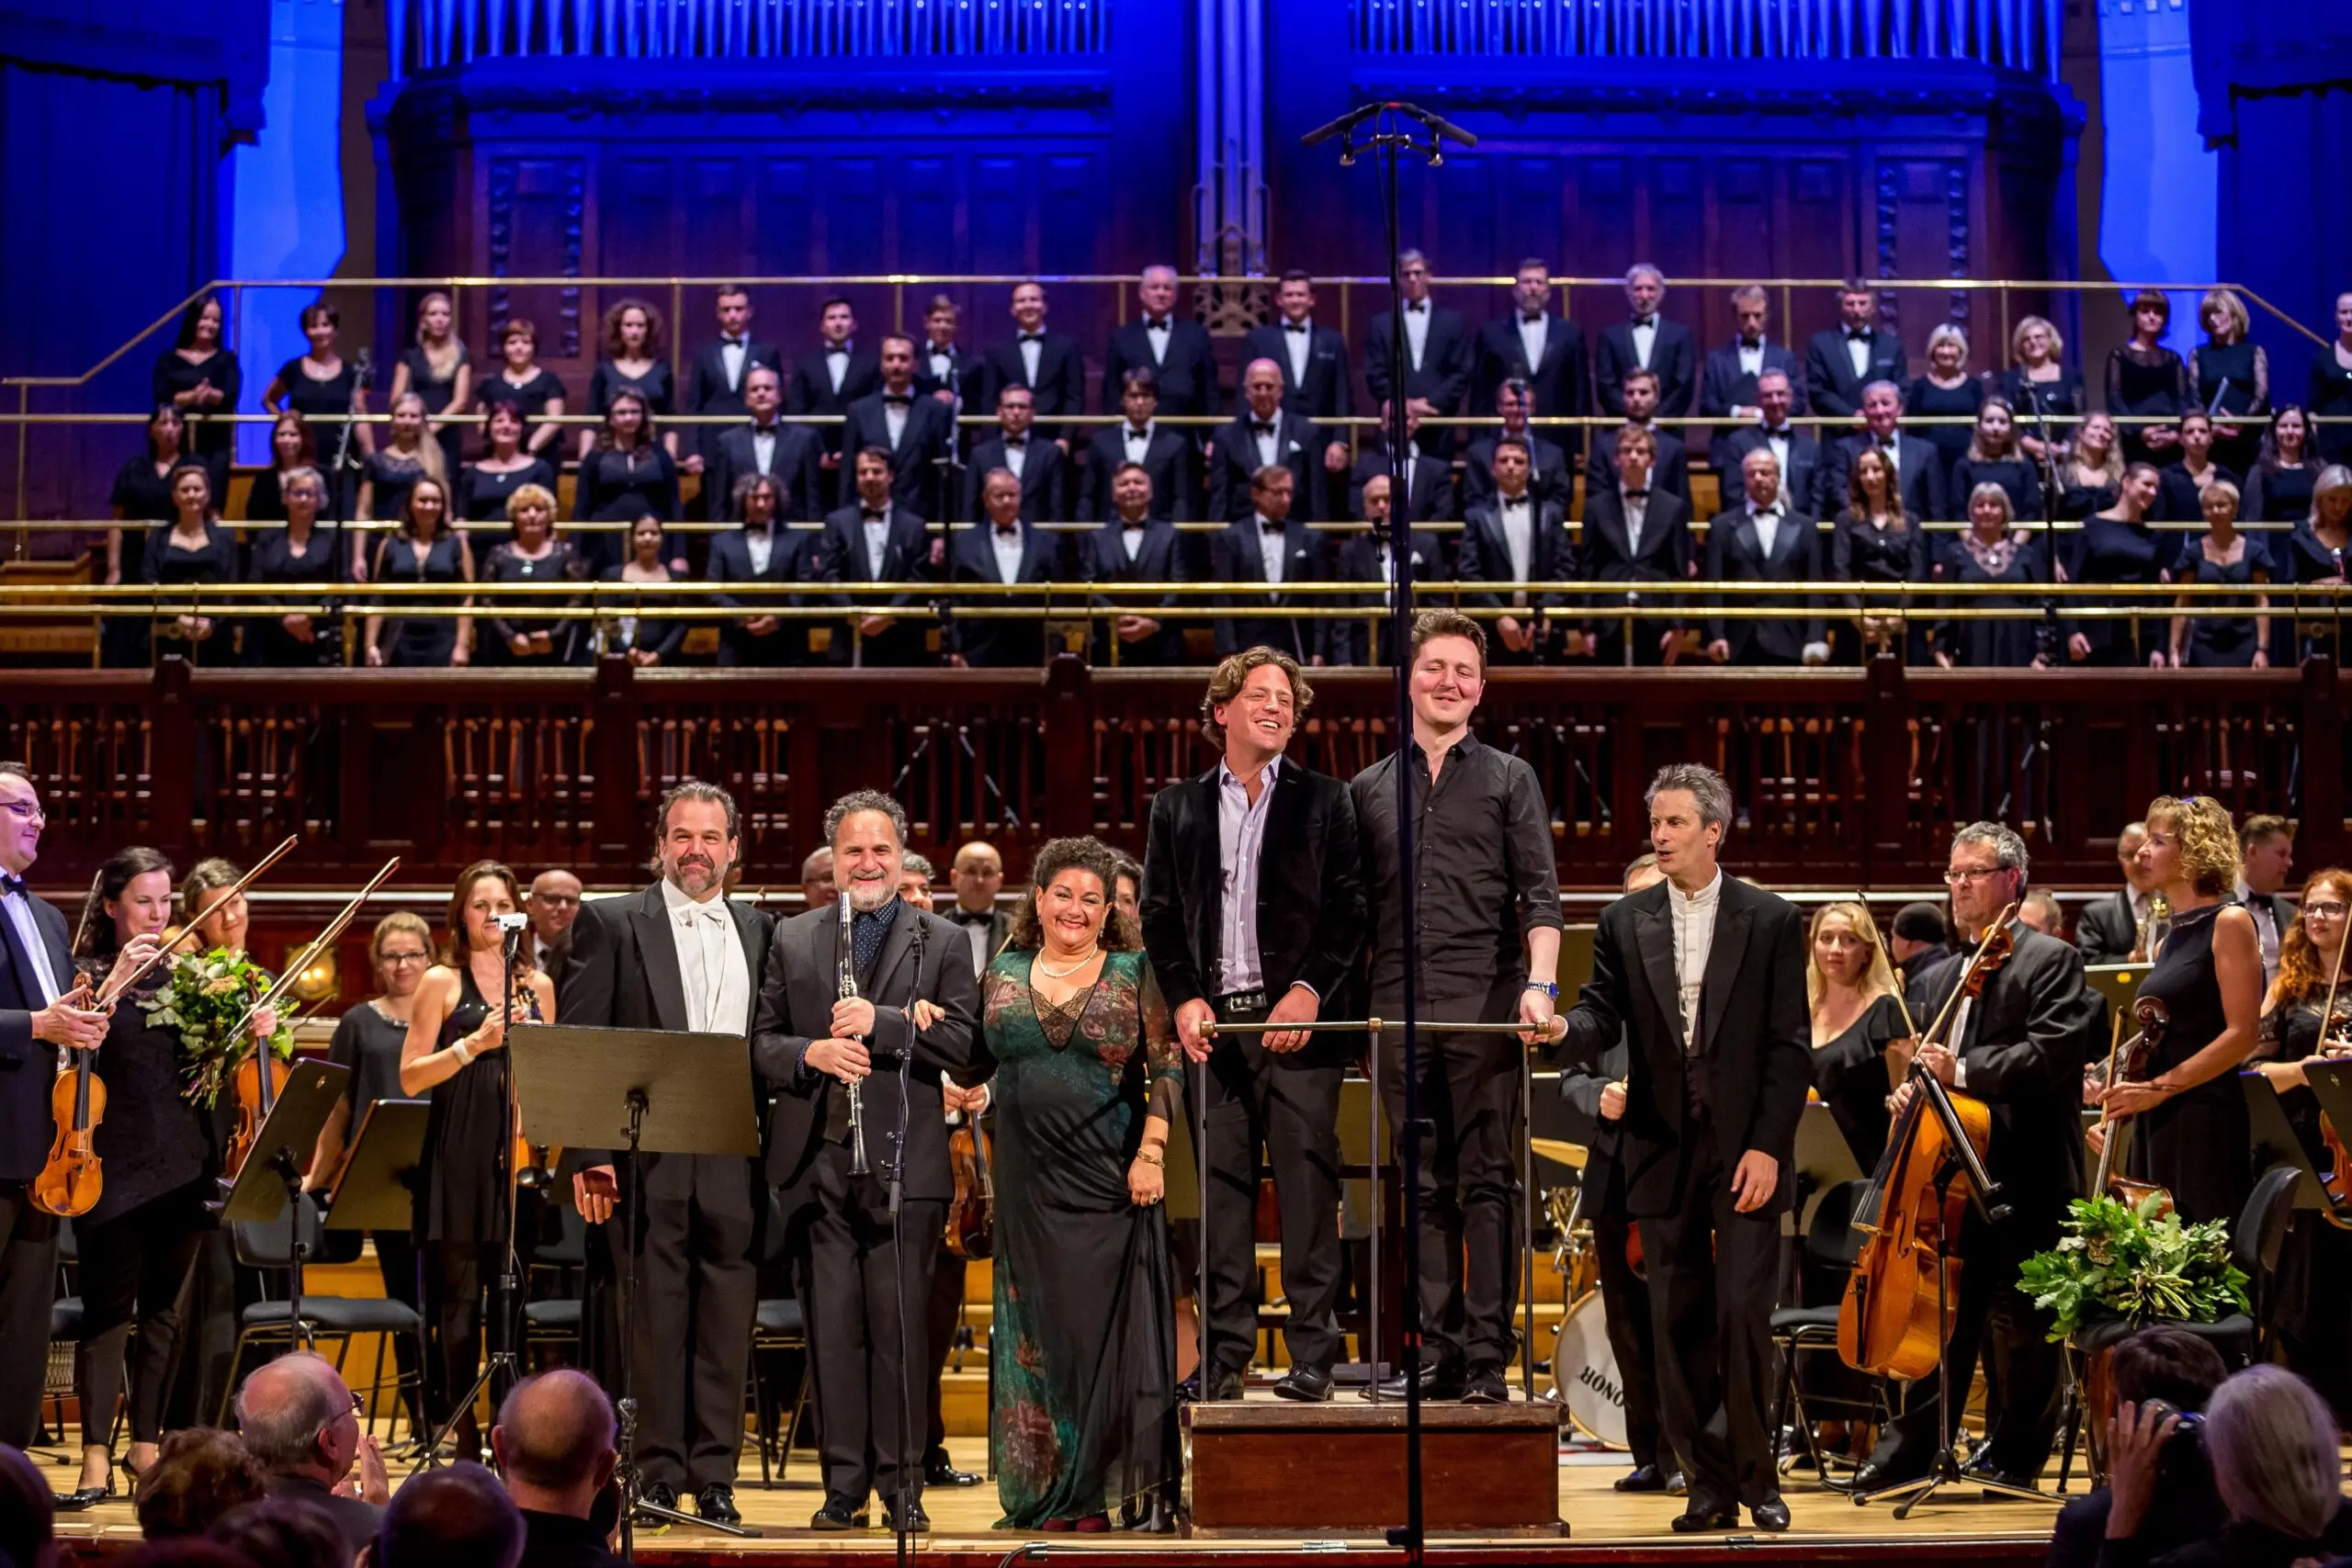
x: 1991, y: 1319
x: 850, y: 1276
x: 27, y: 1286
x: 1258, y: 1101
x: 134, y: 1275
x: 690, y: 1325
x: 1469, y: 1189
x: 1713, y: 1277
x: 943, y: 1310
x: 1632, y: 1338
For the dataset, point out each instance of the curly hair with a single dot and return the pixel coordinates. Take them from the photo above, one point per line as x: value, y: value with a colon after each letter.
x: 2303, y: 969
x: 656, y: 336
x: 201, y: 1474
x: 1027, y: 933
x: 1233, y: 672
x: 2209, y: 845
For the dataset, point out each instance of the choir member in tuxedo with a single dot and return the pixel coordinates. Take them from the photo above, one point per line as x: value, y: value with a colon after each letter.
x: 760, y: 551
x: 2019, y: 1046
x: 1266, y: 434
x: 1021, y: 451
x: 1764, y: 540
x: 1544, y: 350
x: 1365, y: 559
x: 1727, y: 388
x: 1636, y: 530
x: 716, y: 378
x: 916, y: 430
x: 1312, y: 360
x: 1486, y: 951
x: 1046, y: 363
x: 942, y: 370
x: 873, y: 539
x: 1171, y: 457
x: 1268, y: 836
x: 1428, y: 476
x: 1134, y: 545
x: 40, y: 1020
x: 1647, y: 341
x: 1437, y: 354
x: 1842, y: 361
x: 1797, y: 453
x: 826, y: 382
x: 1179, y: 354
x: 809, y: 1045
x: 1669, y: 458
x: 1271, y: 546
x: 1917, y: 463
x: 792, y: 455
x: 1554, y: 477
x: 1004, y: 549
x: 978, y: 875
x: 1508, y: 541
x: 1703, y: 978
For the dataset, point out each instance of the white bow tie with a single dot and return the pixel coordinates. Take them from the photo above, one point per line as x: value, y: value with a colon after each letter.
x: 711, y: 912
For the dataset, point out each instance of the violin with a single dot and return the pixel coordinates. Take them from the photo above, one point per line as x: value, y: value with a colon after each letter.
x: 2127, y: 1061
x: 2333, y: 1041
x: 971, y: 1215
x: 1895, y: 1311
x: 72, y: 1179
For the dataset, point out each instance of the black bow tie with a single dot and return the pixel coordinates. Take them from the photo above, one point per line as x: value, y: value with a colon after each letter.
x: 1645, y: 321
x: 963, y: 917
x: 1270, y: 530
x: 1858, y: 334
x: 1134, y: 434
x: 1637, y: 495
x: 1530, y: 317
x: 730, y: 343
x: 1419, y: 306
x: 11, y: 883
x: 1015, y: 443
x: 901, y: 399
x: 1262, y: 426
x: 1008, y: 530
x: 833, y: 348
x: 1033, y: 337
x: 1156, y: 323
x: 1514, y: 499
x: 869, y: 515
x: 1294, y: 326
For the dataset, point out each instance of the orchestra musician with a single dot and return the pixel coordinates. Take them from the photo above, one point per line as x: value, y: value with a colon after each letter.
x: 2019, y: 1046
x: 1704, y: 978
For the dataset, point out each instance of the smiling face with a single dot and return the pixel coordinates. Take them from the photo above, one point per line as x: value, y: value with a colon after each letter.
x: 2140, y: 489
x: 2290, y: 431
x: 1071, y: 908
x: 1988, y: 515
x: 285, y: 443
x: 208, y: 325
x: 1029, y: 306
x: 1262, y: 715
x: 518, y: 350
x: 1946, y: 357
x: 867, y: 854
x: 1869, y: 473
x: 191, y: 493
x: 485, y: 900
x: 1774, y: 398
x: 428, y: 506
x: 2033, y: 343
x: 20, y: 824
x: 320, y: 328
x: 1295, y: 299
x: 1447, y: 681
x: 1130, y: 492
x: 696, y: 850
x: 1980, y: 888
x: 2096, y: 439
x: 505, y: 428
x: 401, y: 963
x: 1261, y: 385
x: 222, y: 917
x: 145, y: 906
x: 408, y: 422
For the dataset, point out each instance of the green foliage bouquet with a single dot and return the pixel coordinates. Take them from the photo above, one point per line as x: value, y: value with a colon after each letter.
x: 203, y: 999
x: 2137, y: 1263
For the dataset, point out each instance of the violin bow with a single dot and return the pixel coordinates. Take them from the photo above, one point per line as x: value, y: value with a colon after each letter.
x: 113, y: 994
x: 1878, y: 945
x: 2335, y: 978
x: 319, y: 944
x: 1992, y: 932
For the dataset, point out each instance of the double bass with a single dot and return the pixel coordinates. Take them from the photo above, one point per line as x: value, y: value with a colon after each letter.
x: 1896, y: 1308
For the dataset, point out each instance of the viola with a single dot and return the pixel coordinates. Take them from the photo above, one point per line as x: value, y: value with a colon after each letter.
x: 257, y: 1082
x: 72, y: 1179
x: 971, y: 1215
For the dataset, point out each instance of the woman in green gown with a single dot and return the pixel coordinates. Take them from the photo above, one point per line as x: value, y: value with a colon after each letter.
x: 1088, y: 1076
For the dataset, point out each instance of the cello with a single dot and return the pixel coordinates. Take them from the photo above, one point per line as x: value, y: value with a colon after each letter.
x: 1896, y: 1308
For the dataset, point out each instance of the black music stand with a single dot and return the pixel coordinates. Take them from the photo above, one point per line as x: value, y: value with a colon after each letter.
x: 270, y: 1181
x: 372, y: 1193
x: 645, y: 1092
x: 2331, y: 1084
x: 2274, y: 1139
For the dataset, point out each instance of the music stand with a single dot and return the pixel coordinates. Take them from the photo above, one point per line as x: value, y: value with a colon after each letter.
x: 2331, y: 1085
x: 372, y: 1190
x: 270, y: 1181
x: 2274, y: 1139
x: 1823, y: 1159
x: 2119, y: 983
x: 645, y: 1090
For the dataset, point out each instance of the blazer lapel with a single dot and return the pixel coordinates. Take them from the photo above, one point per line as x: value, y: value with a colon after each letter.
x: 1655, y: 934
x: 1723, y: 953
x: 747, y: 931
x: 659, y: 951
x: 1206, y: 873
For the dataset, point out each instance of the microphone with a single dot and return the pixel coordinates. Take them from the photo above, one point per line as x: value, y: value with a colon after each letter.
x: 514, y: 922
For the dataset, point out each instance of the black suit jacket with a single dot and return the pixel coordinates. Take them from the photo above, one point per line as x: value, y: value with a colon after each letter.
x: 1310, y: 893
x: 1755, y: 1026
x: 706, y: 389
x: 795, y: 462
x: 623, y: 974
x: 1736, y: 553
x: 1233, y: 556
x: 1187, y: 377
x: 1669, y: 465
x: 1059, y: 389
x: 1603, y: 1183
x: 1173, y: 460
x: 1674, y: 357
x: 1830, y: 378
x: 1432, y: 487
x: 1723, y: 386
x: 1554, y: 477
x: 992, y: 640
x: 905, y: 558
x: 2106, y: 930
x: 1920, y: 478
x: 1041, y: 478
x: 1797, y: 475
x: 1666, y: 551
x: 1561, y: 389
x: 1486, y: 553
x: 1162, y: 558
x: 28, y: 1066
x: 797, y: 991
x: 812, y: 387
x: 959, y: 378
x: 1446, y: 355
x: 1325, y: 393
x: 1351, y: 641
x: 791, y: 558
x: 1233, y: 458
x: 929, y: 430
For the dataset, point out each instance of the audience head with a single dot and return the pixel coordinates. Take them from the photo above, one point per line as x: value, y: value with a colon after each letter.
x: 1641, y: 871
x: 2309, y: 951
x: 2273, y: 1443
x: 1644, y: 288
x: 2035, y: 341
x: 1532, y: 287
x: 1269, y: 492
x: 763, y: 392
x: 634, y: 330
x: 400, y: 950
x: 1413, y: 273
x: 978, y: 875
x: 554, y: 1443
x: 836, y: 321
x: 1029, y: 306
x: 1016, y: 410
x: 817, y: 888
x: 282, y: 1532
x: 873, y: 476
x: 1155, y: 289
x: 457, y: 1517
x: 1294, y: 295
x: 1987, y: 871
x: 518, y: 343
x: 1640, y: 395
x: 732, y: 304
x: 1947, y: 350
x: 1689, y: 812
x: 554, y: 903
x: 1857, y: 305
x: 868, y: 831
x: 2171, y: 1364
x: 1759, y: 473
x: 1449, y: 673
x: 1253, y: 703
x: 1843, y: 951
x: 1261, y: 388
x: 697, y: 839
x: 201, y: 1474
x: 483, y: 891
x: 297, y: 1417
x: 2267, y: 843
x: 205, y: 899
x: 2040, y: 911
x: 1130, y: 492
x: 27, y: 1513
x: 1750, y: 308
x: 132, y: 898
x: 1775, y: 397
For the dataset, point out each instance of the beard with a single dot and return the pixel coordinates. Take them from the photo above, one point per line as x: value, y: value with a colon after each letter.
x: 868, y: 895
x: 696, y: 875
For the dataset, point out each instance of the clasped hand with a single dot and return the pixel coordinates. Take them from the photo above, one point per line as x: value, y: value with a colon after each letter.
x: 852, y: 1016
x: 843, y: 1059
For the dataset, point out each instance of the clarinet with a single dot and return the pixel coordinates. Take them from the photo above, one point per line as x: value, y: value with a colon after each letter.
x: 846, y: 975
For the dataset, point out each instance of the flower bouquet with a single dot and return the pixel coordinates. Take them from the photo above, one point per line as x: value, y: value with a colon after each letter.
x: 203, y: 998
x: 2138, y: 1263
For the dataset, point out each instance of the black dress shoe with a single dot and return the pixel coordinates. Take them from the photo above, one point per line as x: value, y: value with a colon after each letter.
x: 1438, y: 1380
x: 1983, y: 1473
x: 1771, y: 1515
x: 1311, y: 1385
x: 938, y: 1470
x: 1706, y: 1521
x: 1223, y: 1385
x: 917, y: 1520
x: 661, y: 1494
x: 1644, y: 1478
x: 1874, y: 1477
x: 1486, y: 1386
x: 716, y: 1503
x: 840, y: 1512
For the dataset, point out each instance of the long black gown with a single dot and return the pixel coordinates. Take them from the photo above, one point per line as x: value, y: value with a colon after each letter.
x: 2110, y: 550
x: 1951, y: 441
x: 1849, y: 1073
x: 506, y: 564
x: 2198, y: 1146
x: 2302, y: 556
x: 165, y: 564
x: 315, y: 567
x: 2145, y: 385
x: 210, y: 435
x: 438, y: 393
x: 2279, y: 494
x: 422, y: 642
x: 482, y: 493
x: 1989, y: 644
x: 2222, y: 638
x: 461, y: 1213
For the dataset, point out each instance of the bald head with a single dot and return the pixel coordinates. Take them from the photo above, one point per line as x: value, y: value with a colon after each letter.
x: 290, y: 1413
x: 554, y: 903
x: 554, y: 1442
x: 978, y: 875
x: 456, y: 1517
x: 817, y: 885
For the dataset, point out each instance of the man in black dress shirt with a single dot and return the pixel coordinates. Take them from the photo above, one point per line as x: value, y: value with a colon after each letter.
x: 1177, y: 353
x: 554, y: 1444
x: 792, y: 455
x: 1312, y: 360
x: 1636, y: 530
x: 1134, y: 546
x: 1646, y: 342
x: 1046, y: 363
x: 916, y: 430
x: 1919, y: 468
x: 1669, y: 462
x: 1727, y: 387
x: 1842, y: 361
x: 36, y: 974
x: 1017, y: 448
x: 1798, y: 454
x: 1511, y: 539
x: 1171, y: 458
x: 1437, y: 355
x: 1487, y: 950
x: 1265, y: 433
x: 1764, y: 540
x: 1270, y: 546
x: 834, y: 376
x: 1252, y: 913
x: 873, y: 539
x: 1552, y: 479
x: 942, y: 370
x: 299, y: 1419
x: 1002, y: 551
x: 1535, y: 346
x: 716, y: 381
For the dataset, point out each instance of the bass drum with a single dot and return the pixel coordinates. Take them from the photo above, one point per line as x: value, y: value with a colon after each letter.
x: 1584, y: 1374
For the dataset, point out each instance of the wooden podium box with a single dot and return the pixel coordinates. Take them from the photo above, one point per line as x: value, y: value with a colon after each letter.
x: 1260, y: 1467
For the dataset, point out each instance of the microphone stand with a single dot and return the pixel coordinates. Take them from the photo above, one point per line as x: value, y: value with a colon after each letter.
x: 894, y: 1168
x: 363, y: 372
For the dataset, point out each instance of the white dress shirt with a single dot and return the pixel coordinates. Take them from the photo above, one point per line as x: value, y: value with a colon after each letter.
x: 943, y: 362
x: 1778, y: 440
x: 1131, y: 535
x: 1768, y: 525
x: 1270, y: 546
x: 1416, y: 330
x: 1031, y: 348
x: 1858, y: 355
x: 1298, y: 340
x: 1531, y: 340
x: 731, y: 354
x: 1015, y: 455
x: 1637, y: 508
x: 711, y: 966
x: 1270, y: 445
x: 1645, y: 340
x: 1241, y: 838
x: 836, y: 367
x: 1156, y: 333
x: 764, y: 450
x: 1009, y: 549
x: 1517, y: 515
x: 1751, y: 358
x: 1137, y: 441
x: 2265, y: 928
x: 894, y: 419
x: 878, y: 544
x: 1693, y: 918
x: 761, y: 546
x: 18, y: 908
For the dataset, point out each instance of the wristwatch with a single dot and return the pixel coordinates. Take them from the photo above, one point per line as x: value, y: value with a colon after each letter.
x: 1549, y: 988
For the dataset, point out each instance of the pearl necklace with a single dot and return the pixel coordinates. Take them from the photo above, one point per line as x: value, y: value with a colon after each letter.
x: 1092, y: 951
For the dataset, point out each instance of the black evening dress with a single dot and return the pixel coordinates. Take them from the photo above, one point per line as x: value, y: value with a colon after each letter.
x: 141, y: 493
x: 2077, y: 498
x: 2222, y: 638
x: 2301, y: 556
x: 2110, y: 550
x: 2198, y: 1146
x: 621, y: 486
x: 216, y: 561
x: 1951, y: 441
x: 2276, y: 493
x: 2330, y: 393
x: 208, y: 437
x: 307, y: 571
x: 460, y: 1214
x: 2032, y: 401
x: 390, y: 476
x: 321, y: 401
x: 438, y: 392
x: 2020, y: 478
x: 420, y: 642
x: 530, y: 398
x: 1860, y: 551
x: 369, y: 1045
x: 655, y: 387
x: 2232, y: 378
x: 2143, y: 385
x: 1989, y: 644
x: 1850, y: 1074
x: 2181, y: 500
x: 497, y: 631
x: 2312, y: 1294
x: 623, y: 629
x: 482, y: 493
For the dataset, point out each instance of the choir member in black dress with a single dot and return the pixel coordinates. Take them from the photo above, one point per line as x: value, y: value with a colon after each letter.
x: 2117, y: 547
x: 519, y: 630
x: 1994, y: 550
x: 454, y: 1053
x: 2279, y: 487
x: 200, y: 378
x: 194, y: 549
x: 410, y: 453
x: 1862, y: 1036
x: 290, y: 447
x: 623, y: 633
x: 2193, y: 1138
x: 487, y: 487
x: 2147, y: 386
x: 2090, y: 471
x: 1949, y: 390
x: 2221, y: 635
x: 2314, y: 554
x: 2330, y: 390
x: 142, y: 487
x: 763, y: 550
x: 536, y: 393
x: 2182, y: 498
x: 2228, y: 374
x: 1995, y: 458
x: 303, y: 559
x: 2040, y: 387
x: 439, y: 368
x: 1877, y: 540
x: 633, y: 361
x: 624, y: 477
x: 424, y: 549
x: 321, y: 386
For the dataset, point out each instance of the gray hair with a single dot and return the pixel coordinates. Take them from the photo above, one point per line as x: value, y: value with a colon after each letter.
x: 2008, y: 849
x: 859, y: 800
x: 286, y: 1404
x: 1883, y: 385
x: 1643, y: 269
x: 304, y: 475
x: 1706, y: 785
x: 1749, y: 294
x: 919, y: 864
x: 1406, y: 258
x: 2273, y: 1442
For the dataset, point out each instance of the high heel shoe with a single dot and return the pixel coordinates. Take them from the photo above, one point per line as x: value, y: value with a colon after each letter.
x: 84, y: 1498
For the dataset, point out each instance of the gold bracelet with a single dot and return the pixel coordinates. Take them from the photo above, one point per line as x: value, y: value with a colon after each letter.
x: 1148, y: 1158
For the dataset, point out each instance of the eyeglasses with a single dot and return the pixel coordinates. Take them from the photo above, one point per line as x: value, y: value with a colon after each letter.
x: 25, y: 810
x: 2328, y: 909
x: 418, y: 957
x: 1962, y: 875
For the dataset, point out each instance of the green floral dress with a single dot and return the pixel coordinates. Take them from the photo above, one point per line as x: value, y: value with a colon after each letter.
x: 1083, y: 1346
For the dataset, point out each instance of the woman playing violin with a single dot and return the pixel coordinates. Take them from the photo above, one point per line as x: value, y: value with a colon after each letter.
x: 220, y: 915
x: 2193, y: 1138
x: 456, y: 1052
